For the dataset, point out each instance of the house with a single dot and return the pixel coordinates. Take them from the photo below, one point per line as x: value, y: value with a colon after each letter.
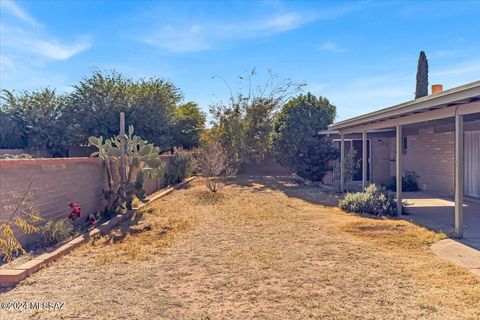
x: 437, y: 137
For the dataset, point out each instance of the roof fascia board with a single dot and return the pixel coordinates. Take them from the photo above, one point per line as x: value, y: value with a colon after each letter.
x: 459, y: 93
x: 418, y: 117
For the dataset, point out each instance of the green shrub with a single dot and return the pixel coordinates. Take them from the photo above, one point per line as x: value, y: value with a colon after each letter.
x: 375, y: 200
x: 409, y: 182
x: 55, y: 231
x: 180, y: 167
x: 296, y: 143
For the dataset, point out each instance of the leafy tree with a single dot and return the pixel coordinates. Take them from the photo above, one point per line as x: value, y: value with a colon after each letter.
x: 151, y: 108
x: 36, y: 117
x: 258, y: 121
x: 243, y: 122
x: 422, y: 76
x: 94, y: 105
x: 189, y: 123
x: 296, y: 142
x: 43, y: 119
x: 10, y: 134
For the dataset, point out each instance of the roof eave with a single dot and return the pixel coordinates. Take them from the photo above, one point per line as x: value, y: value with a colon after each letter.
x: 448, y: 96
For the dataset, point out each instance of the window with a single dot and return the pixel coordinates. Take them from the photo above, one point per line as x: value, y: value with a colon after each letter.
x: 405, y: 144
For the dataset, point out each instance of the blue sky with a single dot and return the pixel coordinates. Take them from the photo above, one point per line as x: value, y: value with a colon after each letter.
x: 360, y: 55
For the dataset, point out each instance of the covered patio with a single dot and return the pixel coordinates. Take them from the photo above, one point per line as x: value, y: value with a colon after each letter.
x: 436, y: 212
x: 435, y: 138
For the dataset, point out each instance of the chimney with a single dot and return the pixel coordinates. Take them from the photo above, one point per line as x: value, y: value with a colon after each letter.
x: 437, y: 88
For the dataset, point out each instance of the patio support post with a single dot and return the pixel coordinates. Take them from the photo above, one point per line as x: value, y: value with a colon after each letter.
x: 342, y: 162
x: 459, y: 175
x: 399, y: 169
x: 364, y: 159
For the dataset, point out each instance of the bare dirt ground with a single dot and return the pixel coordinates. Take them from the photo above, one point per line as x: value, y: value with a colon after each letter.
x: 262, y: 248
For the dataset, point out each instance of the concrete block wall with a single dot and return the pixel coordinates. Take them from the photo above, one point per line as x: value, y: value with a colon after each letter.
x: 267, y: 166
x: 56, y: 182
x: 154, y: 184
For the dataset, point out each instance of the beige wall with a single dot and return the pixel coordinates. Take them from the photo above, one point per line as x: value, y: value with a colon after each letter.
x: 55, y: 183
x: 58, y: 181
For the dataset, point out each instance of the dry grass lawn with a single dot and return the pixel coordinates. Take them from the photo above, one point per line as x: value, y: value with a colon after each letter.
x: 262, y: 248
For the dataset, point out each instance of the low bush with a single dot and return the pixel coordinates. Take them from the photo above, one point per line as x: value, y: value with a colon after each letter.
x: 214, y: 165
x: 180, y: 167
x: 55, y: 231
x: 375, y: 200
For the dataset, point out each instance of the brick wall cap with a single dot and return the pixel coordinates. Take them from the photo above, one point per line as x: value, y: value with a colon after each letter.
x: 46, y: 161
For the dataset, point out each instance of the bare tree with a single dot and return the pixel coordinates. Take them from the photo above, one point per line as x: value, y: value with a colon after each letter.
x: 213, y: 163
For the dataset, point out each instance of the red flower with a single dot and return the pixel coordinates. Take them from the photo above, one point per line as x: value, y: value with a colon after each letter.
x: 76, y: 211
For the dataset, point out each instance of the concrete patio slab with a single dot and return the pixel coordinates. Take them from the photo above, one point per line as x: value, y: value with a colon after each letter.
x: 437, y: 213
x: 459, y: 254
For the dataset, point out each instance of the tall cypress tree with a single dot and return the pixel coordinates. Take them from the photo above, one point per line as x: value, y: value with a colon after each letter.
x: 422, y: 76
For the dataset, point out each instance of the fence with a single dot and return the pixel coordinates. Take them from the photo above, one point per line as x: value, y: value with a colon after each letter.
x: 56, y: 182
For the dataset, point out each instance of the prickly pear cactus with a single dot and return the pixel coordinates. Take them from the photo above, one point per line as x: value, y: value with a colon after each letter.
x: 142, y: 161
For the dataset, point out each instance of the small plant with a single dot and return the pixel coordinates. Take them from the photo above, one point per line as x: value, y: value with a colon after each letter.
x: 180, y: 167
x: 91, y: 219
x: 56, y: 231
x: 23, y: 216
x: 375, y: 200
x: 351, y: 164
x: 214, y: 165
x: 76, y: 211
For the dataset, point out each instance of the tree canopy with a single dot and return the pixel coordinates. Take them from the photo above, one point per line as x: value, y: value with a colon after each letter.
x: 189, y: 122
x: 33, y: 120
x: 242, y: 123
x: 296, y: 142
x: 45, y: 119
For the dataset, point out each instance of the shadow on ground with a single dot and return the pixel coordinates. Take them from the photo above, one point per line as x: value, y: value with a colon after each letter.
x: 318, y: 194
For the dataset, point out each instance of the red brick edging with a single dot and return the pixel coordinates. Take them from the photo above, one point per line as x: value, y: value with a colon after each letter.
x: 17, y: 274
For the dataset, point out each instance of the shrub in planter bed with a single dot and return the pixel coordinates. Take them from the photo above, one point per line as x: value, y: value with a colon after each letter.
x: 55, y: 231
x: 181, y: 167
x: 375, y: 200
